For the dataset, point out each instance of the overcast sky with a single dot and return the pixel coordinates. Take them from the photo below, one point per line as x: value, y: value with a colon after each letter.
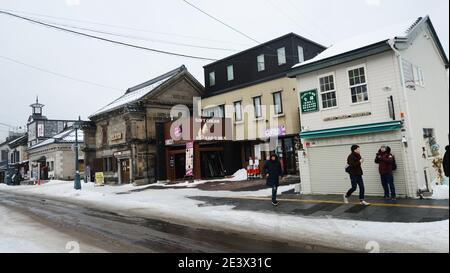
x: 160, y: 24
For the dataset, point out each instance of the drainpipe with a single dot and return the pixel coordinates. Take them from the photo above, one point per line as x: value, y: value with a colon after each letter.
x: 391, y: 43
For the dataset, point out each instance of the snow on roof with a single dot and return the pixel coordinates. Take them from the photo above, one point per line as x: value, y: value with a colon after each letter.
x: 67, y: 136
x: 399, y: 30
x: 135, y: 93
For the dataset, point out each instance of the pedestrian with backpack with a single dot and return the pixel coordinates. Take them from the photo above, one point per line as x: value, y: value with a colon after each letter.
x: 354, y: 163
x: 386, y: 166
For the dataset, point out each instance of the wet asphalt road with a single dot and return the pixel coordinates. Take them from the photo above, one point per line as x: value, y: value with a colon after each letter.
x: 124, y: 234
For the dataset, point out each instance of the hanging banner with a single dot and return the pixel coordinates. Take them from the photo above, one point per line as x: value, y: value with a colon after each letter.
x: 190, y: 159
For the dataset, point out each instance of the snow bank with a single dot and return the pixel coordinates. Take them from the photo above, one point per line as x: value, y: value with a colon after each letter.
x: 176, y: 205
x: 240, y: 175
x: 440, y: 192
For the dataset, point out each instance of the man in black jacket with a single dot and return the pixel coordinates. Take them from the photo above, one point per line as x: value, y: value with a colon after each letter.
x: 273, y: 171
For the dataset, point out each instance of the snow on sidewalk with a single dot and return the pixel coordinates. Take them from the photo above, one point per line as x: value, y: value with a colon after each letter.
x: 175, y: 205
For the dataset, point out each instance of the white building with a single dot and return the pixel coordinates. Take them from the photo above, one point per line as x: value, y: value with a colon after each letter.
x: 389, y: 87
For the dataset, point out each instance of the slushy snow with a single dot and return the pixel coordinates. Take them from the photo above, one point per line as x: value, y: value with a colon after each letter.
x: 178, y: 206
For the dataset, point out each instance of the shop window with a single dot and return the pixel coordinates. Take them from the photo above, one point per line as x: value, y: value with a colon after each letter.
x: 218, y: 112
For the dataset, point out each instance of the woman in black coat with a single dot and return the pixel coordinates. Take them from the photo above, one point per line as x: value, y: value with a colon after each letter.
x: 273, y: 171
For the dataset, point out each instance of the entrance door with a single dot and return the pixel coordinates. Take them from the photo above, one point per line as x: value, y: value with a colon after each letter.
x: 125, y: 171
x: 180, y: 166
x: 289, y: 156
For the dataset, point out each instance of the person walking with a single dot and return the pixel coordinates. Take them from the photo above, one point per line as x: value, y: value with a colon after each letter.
x: 273, y: 172
x: 386, y: 166
x: 446, y: 161
x: 354, y: 161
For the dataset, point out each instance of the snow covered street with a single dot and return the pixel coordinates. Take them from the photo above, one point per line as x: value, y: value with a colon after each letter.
x: 20, y: 233
x: 179, y: 205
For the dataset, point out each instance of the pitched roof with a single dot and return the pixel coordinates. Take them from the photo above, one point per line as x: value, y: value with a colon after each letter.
x: 398, y: 32
x: 139, y: 91
x: 67, y: 136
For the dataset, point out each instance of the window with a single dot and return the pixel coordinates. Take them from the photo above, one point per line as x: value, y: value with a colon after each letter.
x: 301, y: 56
x: 257, y: 106
x: 212, y: 78
x: 278, y: 104
x: 104, y: 135
x: 261, y: 63
x: 281, y: 52
x: 230, y: 72
x: 328, y: 91
x: 238, y: 111
x: 412, y: 74
x: 217, y: 111
x: 358, y: 85
x: 431, y: 147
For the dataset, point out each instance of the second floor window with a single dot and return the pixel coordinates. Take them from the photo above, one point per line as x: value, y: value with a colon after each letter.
x: 212, y: 78
x: 358, y: 85
x: 257, y: 106
x: 217, y: 112
x: 230, y: 73
x: 261, y: 63
x: 328, y: 91
x: 238, y: 111
x: 278, y: 103
x: 281, y: 53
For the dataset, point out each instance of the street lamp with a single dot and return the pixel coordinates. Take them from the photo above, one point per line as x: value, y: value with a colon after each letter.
x: 77, y: 182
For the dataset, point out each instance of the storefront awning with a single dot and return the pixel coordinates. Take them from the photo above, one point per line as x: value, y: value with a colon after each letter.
x: 352, y: 130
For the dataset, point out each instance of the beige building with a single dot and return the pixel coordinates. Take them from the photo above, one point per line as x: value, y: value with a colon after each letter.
x: 253, y: 90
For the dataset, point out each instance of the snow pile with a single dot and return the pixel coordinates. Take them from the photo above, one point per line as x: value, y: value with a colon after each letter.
x: 440, y: 192
x: 240, y: 175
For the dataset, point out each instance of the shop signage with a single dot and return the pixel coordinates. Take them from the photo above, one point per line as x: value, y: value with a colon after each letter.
x: 275, y: 132
x: 354, y: 115
x: 99, y: 179
x: 190, y: 159
x: 117, y: 136
x: 169, y: 142
x: 309, y: 102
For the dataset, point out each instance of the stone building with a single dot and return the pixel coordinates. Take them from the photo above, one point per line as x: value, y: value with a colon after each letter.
x: 120, y: 140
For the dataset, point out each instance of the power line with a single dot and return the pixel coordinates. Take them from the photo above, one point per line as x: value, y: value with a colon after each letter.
x: 139, y: 37
x: 106, y: 39
x: 218, y: 20
x: 58, y: 74
x: 123, y: 27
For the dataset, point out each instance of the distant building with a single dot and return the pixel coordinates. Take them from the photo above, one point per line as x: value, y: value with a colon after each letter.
x: 50, y: 146
x: 121, y: 139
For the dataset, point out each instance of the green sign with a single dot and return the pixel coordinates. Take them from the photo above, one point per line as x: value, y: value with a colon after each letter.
x: 309, y: 102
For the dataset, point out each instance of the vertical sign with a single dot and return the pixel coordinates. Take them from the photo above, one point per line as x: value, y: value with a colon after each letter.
x: 309, y: 102
x: 190, y: 159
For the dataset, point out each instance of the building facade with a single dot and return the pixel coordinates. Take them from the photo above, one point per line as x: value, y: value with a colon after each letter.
x: 385, y: 88
x: 251, y: 88
x: 120, y: 140
x: 54, y: 158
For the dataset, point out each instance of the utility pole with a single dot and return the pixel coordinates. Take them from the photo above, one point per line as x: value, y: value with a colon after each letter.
x: 77, y: 182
